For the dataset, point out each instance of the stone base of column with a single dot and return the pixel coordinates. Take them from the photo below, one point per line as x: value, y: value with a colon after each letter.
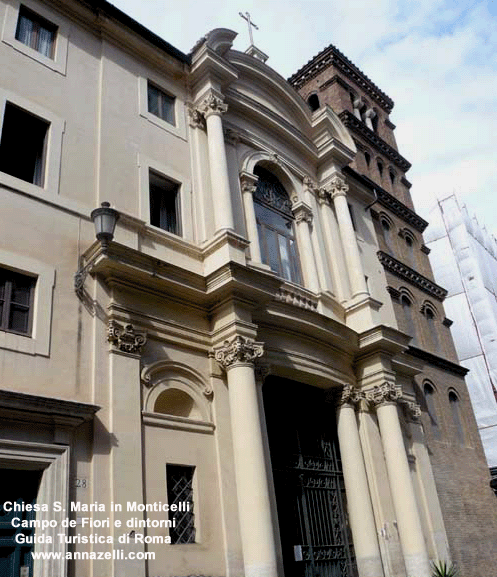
x: 416, y: 566
x: 260, y: 570
x: 369, y: 567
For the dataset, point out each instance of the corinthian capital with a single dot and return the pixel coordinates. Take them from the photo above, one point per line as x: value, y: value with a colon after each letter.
x: 338, y: 187
x: 385, y: 393
x: 195, y: 118
x: 212, y: 104
x: 125, y: 338
x: 349, y: 396
x: 240, y: 350
x: 302, y: 212
x: 248, y: 182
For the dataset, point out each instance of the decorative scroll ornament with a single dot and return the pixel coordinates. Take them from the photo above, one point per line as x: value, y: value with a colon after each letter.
x: 338, y: 187
x: 212, y: 105
x: 125, y: 338
x: 411, y: 408
x: 348, y: 395
x: 302, y: 213
x: 240, y: 350
x: 385, y: 393
x: 195, y: 117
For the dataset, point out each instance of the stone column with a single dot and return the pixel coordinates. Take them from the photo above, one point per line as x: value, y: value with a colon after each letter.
x: 385, y: 398
x: 338, y: 190
x: 237, y: 357
x: 212, y: 108
x: 359, y: 506
x: 248, y: 183
x: 303, y: 219
x: 125, y: 426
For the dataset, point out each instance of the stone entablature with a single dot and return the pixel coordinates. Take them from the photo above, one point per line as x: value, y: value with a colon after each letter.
x: 331, y: 56
x: 356, y: 125
x: 415, y: 278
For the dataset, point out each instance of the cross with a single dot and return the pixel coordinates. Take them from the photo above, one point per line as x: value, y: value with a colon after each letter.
x: 246, y: 17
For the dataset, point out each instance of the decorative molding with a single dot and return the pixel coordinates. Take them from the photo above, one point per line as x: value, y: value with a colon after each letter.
x: 411, y: 409
x: 415, y: 278
x: 126, y: 338
x: 248, y: 182
x: 331, y: 56
x: 385, y: 393
x: 425, y: 249
x: 296, y: 297
x: 335, y: 79
x: 302, y: 213
x: 195, y: 118
x: 405, y: 182
x: 394, y: 293
x: 438, y: 362
x: 212, y: 104
x: 240, y: 350
x: 390, y: 124
x: 352, y: 122
x: 161, y: 371
x: 338, y: 187
x: 447, y: 322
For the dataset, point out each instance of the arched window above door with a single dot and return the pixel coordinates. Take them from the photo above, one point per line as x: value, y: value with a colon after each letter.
x: 275, y: 226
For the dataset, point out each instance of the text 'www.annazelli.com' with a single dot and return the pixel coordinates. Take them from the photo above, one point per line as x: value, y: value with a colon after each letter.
x: 95, y: 555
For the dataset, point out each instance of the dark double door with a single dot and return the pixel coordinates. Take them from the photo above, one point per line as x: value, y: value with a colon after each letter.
x: 308, y: 480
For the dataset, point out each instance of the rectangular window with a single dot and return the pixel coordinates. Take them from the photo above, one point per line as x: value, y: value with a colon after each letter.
x: 161, y: 104
x: 164, y: 203
x: 36, y: 32
x: 180, y: 493
x: 16, y: 302
x: 22, y: 148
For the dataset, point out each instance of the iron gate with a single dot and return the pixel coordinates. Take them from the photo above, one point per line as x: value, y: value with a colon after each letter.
x: 308, y: 479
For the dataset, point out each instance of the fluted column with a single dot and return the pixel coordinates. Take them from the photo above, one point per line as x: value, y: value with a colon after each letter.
x: 361, y: 517
x: 338, y: 190
x: 385, y: 398
x: 212, y: 108
x: 237, y: 357
x: 303, y: 219
x: 248, y: 183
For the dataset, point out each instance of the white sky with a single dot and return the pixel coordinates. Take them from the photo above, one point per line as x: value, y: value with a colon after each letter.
x: 437, y: 59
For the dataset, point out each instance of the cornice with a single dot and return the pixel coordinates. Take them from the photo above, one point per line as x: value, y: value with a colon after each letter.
x: 415, y: 278
x: 438, y: 362
x: 332, y: 56
x: 389, y: 201
x: 357, y: 126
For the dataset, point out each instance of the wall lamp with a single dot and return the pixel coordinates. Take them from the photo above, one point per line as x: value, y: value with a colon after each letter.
x: 104, y: 219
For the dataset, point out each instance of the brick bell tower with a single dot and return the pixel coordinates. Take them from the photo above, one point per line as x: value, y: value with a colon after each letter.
x: 448, y: 423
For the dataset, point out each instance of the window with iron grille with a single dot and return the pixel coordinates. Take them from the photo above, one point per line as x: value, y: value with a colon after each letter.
x: 179, y: 479
x: 16, y: 302
x: 161, y: 104
x: 36, y: 32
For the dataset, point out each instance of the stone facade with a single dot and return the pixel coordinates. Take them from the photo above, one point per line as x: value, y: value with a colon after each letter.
x: 237, y: 348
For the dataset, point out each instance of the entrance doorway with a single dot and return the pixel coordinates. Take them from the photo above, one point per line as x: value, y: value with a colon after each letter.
x: 19, y: 488
x: 308, y: 481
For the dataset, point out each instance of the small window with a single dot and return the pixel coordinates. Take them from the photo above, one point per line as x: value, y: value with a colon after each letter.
x: 313, y: 102
x: 407, y: 310
x: 16, y: 302
x: 456, y: 416
x: 432, y: 412
x: 380, y: 167
x: 22, y: 148
x: 36, y: 32
x: 392, y: 176
x: 179, y: 481
x: 161, y: 104
x: 367, y: 156
x: 432, y: 327
x: 164, y: 203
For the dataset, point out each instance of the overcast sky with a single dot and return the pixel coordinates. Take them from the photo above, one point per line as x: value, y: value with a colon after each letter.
x: 437, y: 59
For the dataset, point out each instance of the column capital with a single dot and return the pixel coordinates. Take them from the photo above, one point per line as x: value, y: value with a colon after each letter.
x: 323, y: 196
x: 248, y: 182
x: 125, y: 338
x: 411, y: 409
x: 302, y: 212
x: 348, y: 395
x: 195, y: 118
x: 239, y: 351
x: 338, y: 187
x: 386, y: 393
x: 212, y: 105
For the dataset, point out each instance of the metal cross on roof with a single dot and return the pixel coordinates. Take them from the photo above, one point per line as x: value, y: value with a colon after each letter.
x: 246, y: 17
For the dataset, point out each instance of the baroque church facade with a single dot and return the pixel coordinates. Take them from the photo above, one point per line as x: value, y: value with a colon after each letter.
x: 253, y: 374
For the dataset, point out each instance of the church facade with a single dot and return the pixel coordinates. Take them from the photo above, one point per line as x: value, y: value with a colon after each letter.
x: 252, y: 375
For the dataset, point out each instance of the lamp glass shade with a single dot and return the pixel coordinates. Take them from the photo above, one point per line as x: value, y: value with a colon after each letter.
x: 105, y: 219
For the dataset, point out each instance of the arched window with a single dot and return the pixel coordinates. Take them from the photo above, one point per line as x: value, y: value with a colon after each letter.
x: 431, y: 320
x: 313, y: 101
x: 406, y: 303
x: 275, y: 224
x: 429, y: 392
x: 177, y: 403
x: 380, y: 167
x: 456, y: 416
x: 367, y: 156
x: 392, y: 176
x: 386, y: 226
x: 374, y: 121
